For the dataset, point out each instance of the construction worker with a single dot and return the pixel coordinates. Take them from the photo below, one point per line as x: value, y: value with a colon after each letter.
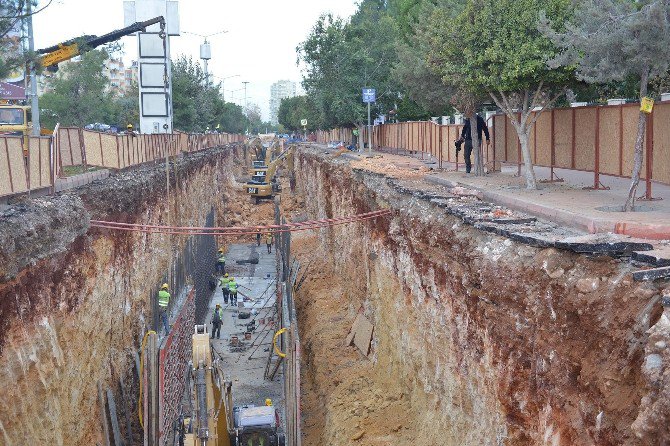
x: 217, y: 320
x: 232, y: 289
x: 130, y: 131
x: 258, y: 238
x: 221, y: 262
x: 225, y: 287
x: 268, y: 242
x: 163, y: 303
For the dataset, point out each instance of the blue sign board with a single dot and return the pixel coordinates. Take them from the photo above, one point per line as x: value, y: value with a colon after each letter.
x: 369, y: 95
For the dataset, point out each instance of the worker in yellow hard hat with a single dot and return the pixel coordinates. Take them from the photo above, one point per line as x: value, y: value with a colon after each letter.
x: 232, y: 289
x: 268, y: 242
x: 130, y: 131
x: 224, y: 282
x: 221, y: 262
x: 163, y: 303
x: 217, y: 321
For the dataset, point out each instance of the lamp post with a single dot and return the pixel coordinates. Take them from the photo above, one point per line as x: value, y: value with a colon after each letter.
x: 223, y: 89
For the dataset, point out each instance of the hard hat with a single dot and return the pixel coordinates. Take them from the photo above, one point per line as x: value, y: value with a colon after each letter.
x: 225, y: 275
x: 221, y: 250
x: 165, y: 286
x: 268, y: 402
x: 231, y: 278
x: 218, y: 305
x: 129, y: 126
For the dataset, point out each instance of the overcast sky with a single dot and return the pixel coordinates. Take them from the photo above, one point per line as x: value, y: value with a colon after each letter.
x: 259, y: 45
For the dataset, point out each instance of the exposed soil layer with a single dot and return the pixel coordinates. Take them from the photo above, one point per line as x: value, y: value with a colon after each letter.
x: 479, y: 339
x: 74, y: 301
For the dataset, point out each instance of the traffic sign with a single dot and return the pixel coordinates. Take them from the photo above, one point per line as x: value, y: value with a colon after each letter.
x: 369, y: 95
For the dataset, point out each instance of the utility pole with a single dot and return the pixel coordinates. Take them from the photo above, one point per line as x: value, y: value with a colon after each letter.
x: 245, y: 95
x: 369, y: 131
x: 223, y: 88
x: 34, y: 103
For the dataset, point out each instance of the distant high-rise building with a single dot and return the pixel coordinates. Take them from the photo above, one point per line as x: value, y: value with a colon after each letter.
x: 278, y: 91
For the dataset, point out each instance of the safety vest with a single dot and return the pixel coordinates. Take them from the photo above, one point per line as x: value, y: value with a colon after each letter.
x: 268, y: 239
x: 222, y: 259
x: 163, y: 299
x: 232, y: 286
x: 220, y: 311
x: 224, y: 282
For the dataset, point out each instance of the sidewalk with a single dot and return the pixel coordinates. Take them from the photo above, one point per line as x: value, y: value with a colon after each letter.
x: 566, y: 203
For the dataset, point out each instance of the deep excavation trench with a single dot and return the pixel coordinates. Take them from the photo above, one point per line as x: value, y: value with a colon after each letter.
x: 478, y: 340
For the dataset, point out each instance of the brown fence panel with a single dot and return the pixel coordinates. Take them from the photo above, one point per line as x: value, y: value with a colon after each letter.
x: 94, y: 153
x: 71, y: 150
x: 563, y: 138
x: 39, y: 162
x: 540, y: 140
x: 661, y: 159
x: 609, y: 140
x: 13, y: 177
x: 585, y: 138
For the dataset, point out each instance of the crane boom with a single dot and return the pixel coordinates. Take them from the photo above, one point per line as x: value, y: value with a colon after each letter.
x: 53, y: 55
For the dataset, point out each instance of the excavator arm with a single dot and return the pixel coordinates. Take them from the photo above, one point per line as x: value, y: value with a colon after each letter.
x: 56, y: 54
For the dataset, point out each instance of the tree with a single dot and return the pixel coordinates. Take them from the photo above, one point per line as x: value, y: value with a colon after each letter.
x: 78, y: 95
x: 12, y: 13
x: 422, y: 83
x: 293, y: 110
x: 125, y: 109
x: 343, y: 57
x: 614, y: 40
x: 198, y: 105
x: 495, y: 48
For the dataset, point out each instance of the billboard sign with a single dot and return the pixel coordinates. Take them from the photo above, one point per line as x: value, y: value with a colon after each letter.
x: 14, y: 87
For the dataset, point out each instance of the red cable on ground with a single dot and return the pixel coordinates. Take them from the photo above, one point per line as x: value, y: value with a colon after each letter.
x: 237, y: 230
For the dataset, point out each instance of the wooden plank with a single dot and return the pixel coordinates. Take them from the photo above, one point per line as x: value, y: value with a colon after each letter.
x: 363, y: 336
x: 354, y: 328
x: 116, y: 431
x: 103, y: 415
x: 126, y: 412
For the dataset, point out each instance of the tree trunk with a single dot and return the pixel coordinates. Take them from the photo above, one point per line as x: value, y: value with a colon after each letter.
x: 478, y: 163
x: 524, y: 135
x: 639, y: 141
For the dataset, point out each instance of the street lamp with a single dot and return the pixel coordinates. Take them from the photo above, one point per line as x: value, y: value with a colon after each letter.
x: 206, y: 51
x: 223, y: 90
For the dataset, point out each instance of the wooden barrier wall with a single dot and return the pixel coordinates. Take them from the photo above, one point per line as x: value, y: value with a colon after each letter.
x: 598, y: 139
x: 36, y: 165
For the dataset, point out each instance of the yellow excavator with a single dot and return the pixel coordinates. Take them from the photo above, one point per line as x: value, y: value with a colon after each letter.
x: 264, y: 184
x: 213, y: 421
x: 264, y: 156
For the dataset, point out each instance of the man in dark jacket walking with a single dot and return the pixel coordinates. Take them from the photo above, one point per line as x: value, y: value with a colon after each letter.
x: 466, y: 136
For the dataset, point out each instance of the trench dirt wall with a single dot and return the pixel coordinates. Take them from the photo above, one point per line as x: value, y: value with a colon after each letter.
x: 479, y: 340
x: 75, y: 301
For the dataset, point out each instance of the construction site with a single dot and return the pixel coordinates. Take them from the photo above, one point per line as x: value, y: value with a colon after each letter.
x: 388, y: 309
x: 342, y: 285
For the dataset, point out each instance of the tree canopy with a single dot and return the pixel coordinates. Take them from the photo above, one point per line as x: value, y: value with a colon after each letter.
x: 79, y: 93
x: 198, y: 105
x: 293, y: 110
